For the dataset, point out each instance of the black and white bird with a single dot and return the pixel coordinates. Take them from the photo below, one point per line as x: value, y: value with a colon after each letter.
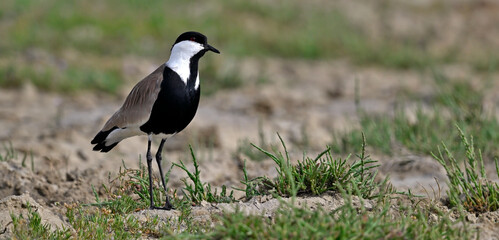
x: 161, y: 105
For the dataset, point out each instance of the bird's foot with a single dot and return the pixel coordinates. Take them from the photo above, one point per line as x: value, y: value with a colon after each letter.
x: 167, y: 207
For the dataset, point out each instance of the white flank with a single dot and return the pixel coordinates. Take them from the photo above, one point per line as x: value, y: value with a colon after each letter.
x: 122, y: 133
x: 160, y: 136
x: 180, y: 56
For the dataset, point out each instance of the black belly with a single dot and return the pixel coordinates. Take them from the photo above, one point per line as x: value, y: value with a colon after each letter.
x: 174, y: 108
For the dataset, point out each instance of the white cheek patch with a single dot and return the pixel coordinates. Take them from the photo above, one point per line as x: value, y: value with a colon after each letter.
x: 180, y: 58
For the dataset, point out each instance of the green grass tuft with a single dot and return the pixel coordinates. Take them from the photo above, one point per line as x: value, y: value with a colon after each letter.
x: 101, y: 223
x: 129, y: 191
x: 32, y: 227
x: 469, y: 187
x: 10, y: 154
x: 318, y: 175
x: 346, y: 222
x: 199, y: 191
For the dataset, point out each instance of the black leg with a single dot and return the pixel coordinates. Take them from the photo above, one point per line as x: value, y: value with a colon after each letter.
x: 149, y: 162
x: 168, y: 205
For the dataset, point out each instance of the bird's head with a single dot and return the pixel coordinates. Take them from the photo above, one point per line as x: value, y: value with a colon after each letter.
x: 189, y: 44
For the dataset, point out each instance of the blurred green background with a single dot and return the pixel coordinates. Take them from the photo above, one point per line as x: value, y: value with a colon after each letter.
x: 67, y: 46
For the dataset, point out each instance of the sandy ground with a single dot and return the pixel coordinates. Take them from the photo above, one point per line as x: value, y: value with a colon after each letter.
x: 300, y: 98
x: 56, y: 129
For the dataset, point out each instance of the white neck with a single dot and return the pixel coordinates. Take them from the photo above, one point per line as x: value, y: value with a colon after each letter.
x: 180, y: 57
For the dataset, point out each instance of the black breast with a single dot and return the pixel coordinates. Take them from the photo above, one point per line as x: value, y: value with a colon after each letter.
x: 175, y: 106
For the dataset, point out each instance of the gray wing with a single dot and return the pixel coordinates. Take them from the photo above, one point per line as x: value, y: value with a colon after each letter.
x: 138, y: 104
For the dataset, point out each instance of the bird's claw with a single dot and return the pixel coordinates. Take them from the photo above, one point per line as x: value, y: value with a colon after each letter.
x: 166, y: 207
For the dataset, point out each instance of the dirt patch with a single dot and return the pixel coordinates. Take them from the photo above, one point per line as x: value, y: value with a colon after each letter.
x: 18, y: 205
x: 48, y: 187
x: 56, y: 129
x: 264, y: 206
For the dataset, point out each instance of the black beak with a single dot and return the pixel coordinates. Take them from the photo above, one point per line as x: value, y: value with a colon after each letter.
x: 211, y: 48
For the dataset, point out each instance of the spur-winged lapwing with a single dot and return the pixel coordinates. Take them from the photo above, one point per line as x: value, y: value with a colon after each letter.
x: 162, y: 104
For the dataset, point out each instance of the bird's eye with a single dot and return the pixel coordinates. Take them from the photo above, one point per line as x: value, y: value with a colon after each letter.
x: 193, y: 39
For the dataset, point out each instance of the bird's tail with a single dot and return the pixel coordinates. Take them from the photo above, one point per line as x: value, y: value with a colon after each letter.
x: 103, y: 142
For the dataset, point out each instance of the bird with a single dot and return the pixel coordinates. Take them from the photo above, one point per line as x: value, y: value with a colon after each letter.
x: 160, y: 105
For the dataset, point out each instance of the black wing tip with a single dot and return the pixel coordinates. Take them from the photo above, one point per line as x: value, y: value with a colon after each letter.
x: 100, y: 140
x: 102, y: 135
x: 101, y: 147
